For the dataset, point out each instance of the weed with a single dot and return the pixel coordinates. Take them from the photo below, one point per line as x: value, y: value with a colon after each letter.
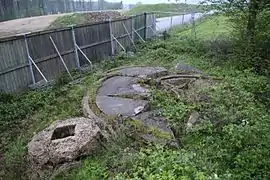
x: 73, y: 19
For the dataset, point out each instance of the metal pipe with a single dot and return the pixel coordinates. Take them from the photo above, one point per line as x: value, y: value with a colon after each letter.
x: 55, y: 47
x: 84, y: 55
x: 153, y: 30
x: 129, y: 35
x: 139, y: 35
x: 29, y: 61
x: 38, y: 68
x: 119, y: 43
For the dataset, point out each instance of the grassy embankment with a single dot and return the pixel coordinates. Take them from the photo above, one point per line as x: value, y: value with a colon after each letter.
x: 173, y: 8
x: 81, y: 18
x: 68, y: 20
x: 233, y: 144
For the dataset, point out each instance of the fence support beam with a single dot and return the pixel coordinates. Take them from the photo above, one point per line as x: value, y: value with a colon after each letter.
x: 139, y: 35
x: 29, y: 61
x: 119, y: 43
x: 55, y: 47
x: 129, y: 35
x: 38, y: 68
x: 77, y: 47
x: 153, y: 30
x: 76, y: 50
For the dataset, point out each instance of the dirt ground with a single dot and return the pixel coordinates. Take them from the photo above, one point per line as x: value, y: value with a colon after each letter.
x: 26, y: 25
x: 32, y: 24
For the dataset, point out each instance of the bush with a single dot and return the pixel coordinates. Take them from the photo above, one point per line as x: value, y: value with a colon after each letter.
x: 161, y: 163
x: 233, y: 134
x: 14, y: 108
x: 252, y: 53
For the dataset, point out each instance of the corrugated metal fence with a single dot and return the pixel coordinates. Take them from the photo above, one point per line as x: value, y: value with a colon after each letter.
x: 97, y: 41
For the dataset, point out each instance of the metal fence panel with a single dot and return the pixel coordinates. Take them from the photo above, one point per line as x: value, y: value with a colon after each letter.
x: 45, y: 56
x: 95, y: 40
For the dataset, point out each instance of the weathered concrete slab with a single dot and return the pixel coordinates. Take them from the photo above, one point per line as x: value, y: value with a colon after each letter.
x: 179, y: 81
x: 154, y: 120
x: 144, y: 72
x: 112, y: 99
x: 120, y: 85
x: 124, y: 106
x: 153, y: 128
x: 65, y: 141
x: 186, y: 68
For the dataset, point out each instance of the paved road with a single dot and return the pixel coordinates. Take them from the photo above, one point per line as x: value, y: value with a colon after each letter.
x: 167, y: 22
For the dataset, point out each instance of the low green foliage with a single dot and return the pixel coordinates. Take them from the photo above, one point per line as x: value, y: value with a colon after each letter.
x: 91, y: 169
x: 119, y: 155
x: 161, y: 163
x: 212, y: 28
x: 235, y: 132
x: 25, y: 114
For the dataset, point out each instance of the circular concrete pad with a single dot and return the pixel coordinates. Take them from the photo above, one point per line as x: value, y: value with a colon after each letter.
x: 118, y: 95
x: 124, y: 106
x: 120, y: 85
x: 111, y: 97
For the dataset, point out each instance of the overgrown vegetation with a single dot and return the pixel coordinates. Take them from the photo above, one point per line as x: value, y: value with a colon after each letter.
x: 83, y: 18
x: 231, y: 143
x: 251, y: 32
x: 68, y: 20
x: 173, y: 8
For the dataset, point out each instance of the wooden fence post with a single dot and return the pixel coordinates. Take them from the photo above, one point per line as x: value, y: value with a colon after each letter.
x: 111, y: 36
x: 145, y: 25
x: 154, y: 24
x: 29, y: 61
x: 193, y: 25
x: 183, y: 18
x: 132, y: 27
x: 171, y: 21
x: 75, y: 47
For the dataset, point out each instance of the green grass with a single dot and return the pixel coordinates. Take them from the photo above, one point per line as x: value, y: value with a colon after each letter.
x: 68, y: 20
x: 236, y: 146
x: 214, y: 27
x: 26, y: 114
x: 225, y: 150
x: 174, y: 8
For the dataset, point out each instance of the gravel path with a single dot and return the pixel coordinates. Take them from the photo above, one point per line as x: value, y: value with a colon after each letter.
x: 26, y: 25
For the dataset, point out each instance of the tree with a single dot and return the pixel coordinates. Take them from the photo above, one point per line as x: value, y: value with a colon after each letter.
x: 251, y: 32
x: 250, y: 8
